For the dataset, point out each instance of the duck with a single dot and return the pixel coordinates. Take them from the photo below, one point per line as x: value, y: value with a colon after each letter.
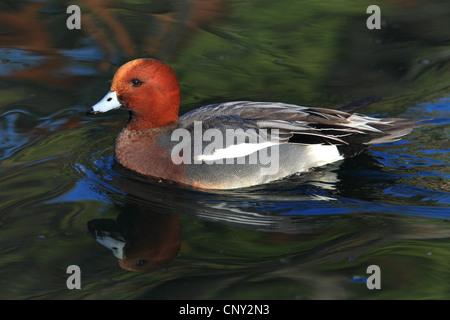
x: 231, y: 145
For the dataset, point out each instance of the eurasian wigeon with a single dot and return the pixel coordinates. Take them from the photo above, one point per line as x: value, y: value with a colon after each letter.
x: 232, y: 144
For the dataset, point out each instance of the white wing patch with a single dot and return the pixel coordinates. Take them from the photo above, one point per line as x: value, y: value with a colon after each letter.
x: 235, y: 151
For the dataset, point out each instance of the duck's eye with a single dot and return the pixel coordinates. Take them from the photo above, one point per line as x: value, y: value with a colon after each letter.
x: 141, y: 262
x: 136, y: 82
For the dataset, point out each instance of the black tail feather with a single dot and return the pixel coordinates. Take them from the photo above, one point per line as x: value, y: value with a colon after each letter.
x: 389, y: 132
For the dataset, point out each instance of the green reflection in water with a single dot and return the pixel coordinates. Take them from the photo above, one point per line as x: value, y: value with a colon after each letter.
x: 311, y: 53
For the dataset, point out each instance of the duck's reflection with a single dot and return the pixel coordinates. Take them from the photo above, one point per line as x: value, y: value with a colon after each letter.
x: 147, y: 234
x: 139, y: 238
x: 310, y: 207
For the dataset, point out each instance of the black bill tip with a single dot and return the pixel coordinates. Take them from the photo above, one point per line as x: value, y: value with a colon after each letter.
x: 91, y: 112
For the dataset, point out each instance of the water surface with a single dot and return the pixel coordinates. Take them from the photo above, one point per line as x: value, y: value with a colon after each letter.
x: 310, y: 236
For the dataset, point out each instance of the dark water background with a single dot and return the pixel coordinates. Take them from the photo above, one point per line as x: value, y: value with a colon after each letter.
x: 308, y: 237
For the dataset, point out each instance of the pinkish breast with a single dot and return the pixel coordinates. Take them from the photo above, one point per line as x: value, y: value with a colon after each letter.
x: 140, y: 151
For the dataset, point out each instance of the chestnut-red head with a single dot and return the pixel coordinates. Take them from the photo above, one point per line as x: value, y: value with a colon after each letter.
x: 148, y: 89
